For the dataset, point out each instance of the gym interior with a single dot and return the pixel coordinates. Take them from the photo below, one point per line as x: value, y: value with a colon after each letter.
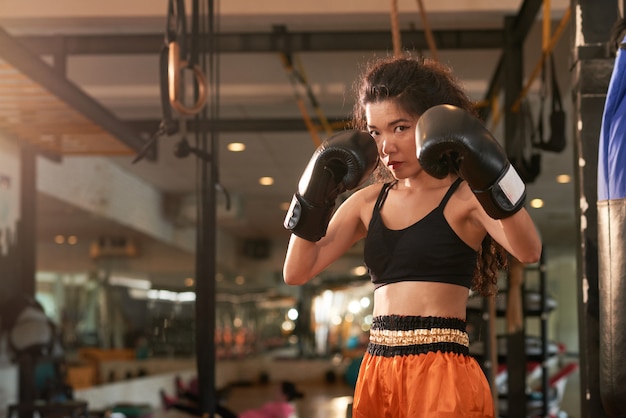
x: 148, y: 154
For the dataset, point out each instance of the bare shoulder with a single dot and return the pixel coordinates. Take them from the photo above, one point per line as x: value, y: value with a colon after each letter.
x: 368, y: 192
x: 367, y: 195
x: 363, y: 201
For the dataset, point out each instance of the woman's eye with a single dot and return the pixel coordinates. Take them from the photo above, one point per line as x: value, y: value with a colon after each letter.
x: 400, y: 128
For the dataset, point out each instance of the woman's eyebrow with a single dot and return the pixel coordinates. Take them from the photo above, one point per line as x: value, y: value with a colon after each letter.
x: 391, y: 123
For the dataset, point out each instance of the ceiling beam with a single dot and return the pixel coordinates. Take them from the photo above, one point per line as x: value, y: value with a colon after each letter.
x: 278, y: 40
x: 149, y: 126
x: 29, y: 64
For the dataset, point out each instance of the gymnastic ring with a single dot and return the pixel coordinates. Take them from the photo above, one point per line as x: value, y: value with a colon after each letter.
x: 173, y: 70
x: 174, y: 67
x: 200, y: 79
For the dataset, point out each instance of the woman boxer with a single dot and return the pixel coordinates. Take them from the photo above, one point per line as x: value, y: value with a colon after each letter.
x: 434, y: 231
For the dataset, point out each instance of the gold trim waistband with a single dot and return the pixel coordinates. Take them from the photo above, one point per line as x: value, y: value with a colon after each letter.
x: 418, y: 336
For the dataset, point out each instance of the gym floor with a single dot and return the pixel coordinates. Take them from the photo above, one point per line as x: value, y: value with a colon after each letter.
x: 324, y: 400
x: 320, y: 400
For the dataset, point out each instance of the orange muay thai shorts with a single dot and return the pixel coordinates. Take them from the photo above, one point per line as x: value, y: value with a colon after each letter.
x: 420, y: 367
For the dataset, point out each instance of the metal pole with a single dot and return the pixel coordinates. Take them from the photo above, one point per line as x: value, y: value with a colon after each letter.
x: 206, y: 239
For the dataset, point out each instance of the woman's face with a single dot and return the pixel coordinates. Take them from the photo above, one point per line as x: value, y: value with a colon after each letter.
x: 394, y: 132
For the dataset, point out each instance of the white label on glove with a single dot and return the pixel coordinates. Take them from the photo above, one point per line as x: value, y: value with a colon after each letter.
x: 512, y: 185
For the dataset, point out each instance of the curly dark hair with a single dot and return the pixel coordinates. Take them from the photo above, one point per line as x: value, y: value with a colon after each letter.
x: 417, y: 84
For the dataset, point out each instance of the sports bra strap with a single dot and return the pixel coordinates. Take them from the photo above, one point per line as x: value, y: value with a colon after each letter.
x: 382, y: 196
x: 451, y: 190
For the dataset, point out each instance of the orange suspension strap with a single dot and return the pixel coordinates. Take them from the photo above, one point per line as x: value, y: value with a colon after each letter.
x: 430, y: 39
x: 395, y: 29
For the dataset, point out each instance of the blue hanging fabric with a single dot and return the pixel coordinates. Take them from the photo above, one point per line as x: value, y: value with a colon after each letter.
x: 612, y: 151
x: 612, y: 242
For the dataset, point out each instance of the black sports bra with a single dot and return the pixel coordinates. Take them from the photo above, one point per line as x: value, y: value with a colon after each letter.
x: 429, y: 250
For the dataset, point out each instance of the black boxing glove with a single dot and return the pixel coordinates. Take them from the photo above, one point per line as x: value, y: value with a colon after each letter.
x: 449, y: 138
x: 341, y: 163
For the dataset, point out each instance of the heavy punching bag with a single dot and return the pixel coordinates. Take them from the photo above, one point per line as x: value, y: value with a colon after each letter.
x: 612, y: 242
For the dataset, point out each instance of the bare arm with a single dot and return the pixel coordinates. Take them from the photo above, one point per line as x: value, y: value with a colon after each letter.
x: 305, y: 259
x: 517, y: 234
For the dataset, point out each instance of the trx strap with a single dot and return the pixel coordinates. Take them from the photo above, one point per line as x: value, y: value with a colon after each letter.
x: 550, y: 45
x: 295, y: 81
x: 295, y: 70
x: 556, y: 142
x: 524, y: 156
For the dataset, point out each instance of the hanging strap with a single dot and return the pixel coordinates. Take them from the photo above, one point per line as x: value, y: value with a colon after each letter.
x: 543, y: 89
x: 176, y: 25
x: 524, y: 155
x: 557, y: 104
x: 557, y: 140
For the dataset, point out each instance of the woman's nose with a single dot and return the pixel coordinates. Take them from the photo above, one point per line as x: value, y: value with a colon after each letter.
x: 387, y: 145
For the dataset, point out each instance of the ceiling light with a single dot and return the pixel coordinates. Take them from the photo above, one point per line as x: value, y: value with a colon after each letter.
x: 563, y: 178
x: 186, y: 297
x: 59, y: 239
x: 292, y: 314
x: 266, y: 181
x: 285, y: 206
x: 288, y: 326
x: 132, y: 282
x: 236, y: 147
x: 141, y: 294
x: 536, y: 203
x: 171, y: 296
x: 354, y: 306
x: 359, y: 271
x: 72, y: 240
x: 189, y: 282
